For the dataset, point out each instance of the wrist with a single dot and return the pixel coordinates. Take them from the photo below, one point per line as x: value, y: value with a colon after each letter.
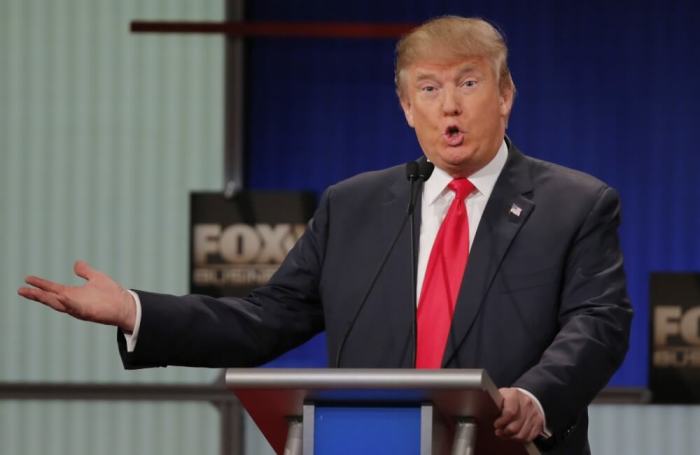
x: 128, y: 319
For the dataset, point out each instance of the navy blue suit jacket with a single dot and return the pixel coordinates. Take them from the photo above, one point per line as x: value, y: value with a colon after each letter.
x: 543, y: 304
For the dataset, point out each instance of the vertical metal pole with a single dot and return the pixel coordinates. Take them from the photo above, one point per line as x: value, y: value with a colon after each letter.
x: 426, y: 429
x: 231, y: 432
x: 295, y: 436
x: 234, y: 104
x: 465, y: 437
x: 231, y: 414
x: 308, y: 417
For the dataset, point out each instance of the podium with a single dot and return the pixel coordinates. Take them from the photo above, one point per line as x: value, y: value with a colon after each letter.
x: 374, y: 411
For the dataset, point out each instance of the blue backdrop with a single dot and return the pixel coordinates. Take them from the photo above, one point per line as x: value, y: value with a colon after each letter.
x: 607, y: 87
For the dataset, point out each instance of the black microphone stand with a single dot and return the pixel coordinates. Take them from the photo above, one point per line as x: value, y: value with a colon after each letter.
x: 425, y: 169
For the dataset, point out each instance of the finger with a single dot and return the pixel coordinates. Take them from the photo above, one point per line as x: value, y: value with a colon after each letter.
x: 513, y: 430
x: 514, y: 427
x: 535, y: 431
x: 44, y: 284
x: 509, y: 412
x: 47, y: 298
x: 83, y: 270
x: 531, y: 427
x: 504, y: 420
x: 524, y: 431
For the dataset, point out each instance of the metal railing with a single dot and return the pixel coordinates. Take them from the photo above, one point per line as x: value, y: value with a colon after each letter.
x: 230, y: 411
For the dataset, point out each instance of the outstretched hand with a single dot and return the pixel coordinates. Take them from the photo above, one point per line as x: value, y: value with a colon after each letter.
x: 100, y: 299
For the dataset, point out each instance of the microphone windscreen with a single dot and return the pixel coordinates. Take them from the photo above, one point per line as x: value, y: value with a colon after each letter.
x: 412, y: 171
x: 425, y: 169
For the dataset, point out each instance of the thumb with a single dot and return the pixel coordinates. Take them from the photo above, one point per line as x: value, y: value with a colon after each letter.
x: 83, y: 270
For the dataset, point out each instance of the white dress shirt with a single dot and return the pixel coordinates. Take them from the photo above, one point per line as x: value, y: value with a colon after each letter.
x: 133, y: 336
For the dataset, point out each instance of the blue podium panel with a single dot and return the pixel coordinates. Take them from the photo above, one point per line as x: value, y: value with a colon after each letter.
x: 366, y: 430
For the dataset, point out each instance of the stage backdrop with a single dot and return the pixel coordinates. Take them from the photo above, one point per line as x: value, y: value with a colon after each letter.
x: 609, y: 88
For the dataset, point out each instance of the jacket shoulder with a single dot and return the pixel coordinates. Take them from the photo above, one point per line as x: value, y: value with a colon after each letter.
x: 557, y: 178
x: 368, y: 183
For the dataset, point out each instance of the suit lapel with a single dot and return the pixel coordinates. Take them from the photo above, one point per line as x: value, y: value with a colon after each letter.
x: 506, y: 211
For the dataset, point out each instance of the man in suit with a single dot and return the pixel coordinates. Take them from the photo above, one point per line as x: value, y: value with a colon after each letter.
x: 519, y: 266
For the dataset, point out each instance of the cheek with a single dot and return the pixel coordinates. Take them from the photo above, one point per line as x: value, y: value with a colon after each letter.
x: 489, y: 116
x: 425, y: 120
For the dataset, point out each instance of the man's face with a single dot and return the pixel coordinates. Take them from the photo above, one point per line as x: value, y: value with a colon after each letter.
x: 458, y: 112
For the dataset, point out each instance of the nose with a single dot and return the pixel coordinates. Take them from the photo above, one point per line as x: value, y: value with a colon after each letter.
x: 451, y: 104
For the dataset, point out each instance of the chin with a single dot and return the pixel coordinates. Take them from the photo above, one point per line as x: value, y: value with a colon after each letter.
x: 455, y: 169
x: 459, y: 157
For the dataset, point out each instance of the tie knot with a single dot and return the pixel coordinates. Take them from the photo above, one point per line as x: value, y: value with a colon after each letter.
x: 462, y: 187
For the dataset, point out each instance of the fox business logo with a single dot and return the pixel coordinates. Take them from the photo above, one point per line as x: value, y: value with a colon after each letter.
x: 240, y: 254
x: 676, y: 336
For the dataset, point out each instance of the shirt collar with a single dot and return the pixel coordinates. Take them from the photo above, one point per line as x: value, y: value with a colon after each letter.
x: 483, y: 180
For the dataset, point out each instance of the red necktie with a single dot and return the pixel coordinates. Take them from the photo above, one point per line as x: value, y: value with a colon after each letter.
x: 443, y: 278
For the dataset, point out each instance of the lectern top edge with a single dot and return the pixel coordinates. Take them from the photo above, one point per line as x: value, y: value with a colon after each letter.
x: 253, y: 378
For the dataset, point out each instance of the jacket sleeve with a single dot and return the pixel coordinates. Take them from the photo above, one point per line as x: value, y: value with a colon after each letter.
x: 594, y: 318
x: 197, y: 330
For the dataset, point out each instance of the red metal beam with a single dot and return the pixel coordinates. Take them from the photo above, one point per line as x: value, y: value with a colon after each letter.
x: 277, y: 29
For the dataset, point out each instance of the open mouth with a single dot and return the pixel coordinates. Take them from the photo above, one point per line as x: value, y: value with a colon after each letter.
x: 453, y: 136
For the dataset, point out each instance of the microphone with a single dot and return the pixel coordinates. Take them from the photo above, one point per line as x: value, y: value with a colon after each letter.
x: 415, y: 171
x: 420, y: 170
x: 424, y: 169
x: 412, y: 171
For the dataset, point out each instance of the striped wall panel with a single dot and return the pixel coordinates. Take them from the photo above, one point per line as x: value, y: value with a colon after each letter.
x: 72, y: 428
x: 644, y: 429
x: 103, y: 134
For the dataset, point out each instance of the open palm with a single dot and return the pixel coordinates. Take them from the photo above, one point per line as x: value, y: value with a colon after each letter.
x: 99, y: 299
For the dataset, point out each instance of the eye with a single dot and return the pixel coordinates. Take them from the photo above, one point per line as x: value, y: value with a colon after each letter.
x: 428, y: 88
x: 470, y: 83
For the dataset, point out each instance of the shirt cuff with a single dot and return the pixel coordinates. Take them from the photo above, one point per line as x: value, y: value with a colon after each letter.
x: 545, y: 431
x: 132, y: 337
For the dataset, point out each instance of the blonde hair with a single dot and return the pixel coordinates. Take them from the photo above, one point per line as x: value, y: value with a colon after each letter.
x: 450, y: 38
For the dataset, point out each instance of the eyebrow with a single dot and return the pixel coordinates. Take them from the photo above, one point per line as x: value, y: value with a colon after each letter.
x: 424, y: 76
x: 466, y: 69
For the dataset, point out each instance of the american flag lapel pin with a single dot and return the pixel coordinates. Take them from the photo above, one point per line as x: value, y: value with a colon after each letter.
x: 515, y: 209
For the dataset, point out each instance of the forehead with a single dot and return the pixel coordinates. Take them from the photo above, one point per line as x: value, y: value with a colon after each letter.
x: 447, y: 68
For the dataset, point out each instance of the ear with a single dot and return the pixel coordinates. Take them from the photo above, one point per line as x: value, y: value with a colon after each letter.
x: 505, y: 102
x: 407, y: 109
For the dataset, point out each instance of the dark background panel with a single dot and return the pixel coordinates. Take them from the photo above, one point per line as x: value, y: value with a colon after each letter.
x: 610, y: 88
